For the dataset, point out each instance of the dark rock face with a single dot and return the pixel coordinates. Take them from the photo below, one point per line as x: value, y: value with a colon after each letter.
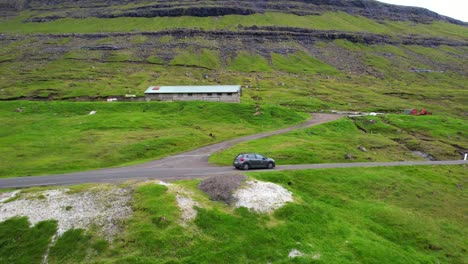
x: 174, y: 12
x: 10, y: 8
x: 16, y: 5
x: 274, y: 34
x: 163, y: 8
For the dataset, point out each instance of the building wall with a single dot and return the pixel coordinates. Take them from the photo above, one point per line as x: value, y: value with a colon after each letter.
x: 214, y: 97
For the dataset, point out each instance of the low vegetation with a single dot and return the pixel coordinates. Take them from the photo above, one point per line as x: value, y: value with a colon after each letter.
x: 364, y: 139
x: 25, y: 244
x: 21, y: 243
x: 327, y: 21
x: 53, y: 137
x: 365, y: 215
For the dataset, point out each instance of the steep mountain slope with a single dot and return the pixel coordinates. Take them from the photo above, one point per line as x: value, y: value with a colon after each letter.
x: 358, y: 55
x: 52, y: 10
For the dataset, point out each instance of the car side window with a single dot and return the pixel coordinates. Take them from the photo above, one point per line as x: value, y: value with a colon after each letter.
x: 259, y: 157
x: 247, y: 156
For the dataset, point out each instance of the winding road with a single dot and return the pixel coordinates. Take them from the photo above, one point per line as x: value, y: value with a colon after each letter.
x: 193, y: 164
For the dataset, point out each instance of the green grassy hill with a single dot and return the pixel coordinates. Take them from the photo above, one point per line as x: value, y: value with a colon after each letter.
x: 333, y: 56
x: 60, y: 59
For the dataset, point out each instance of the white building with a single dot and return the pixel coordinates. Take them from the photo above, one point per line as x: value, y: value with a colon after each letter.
x: 215, y: 93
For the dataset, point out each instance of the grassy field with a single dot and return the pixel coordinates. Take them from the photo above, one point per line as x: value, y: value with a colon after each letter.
x: 365, y: 215
x: 56, y: 137
x: 385, y: 138
x: 53, y: 137
x: 328, y: 21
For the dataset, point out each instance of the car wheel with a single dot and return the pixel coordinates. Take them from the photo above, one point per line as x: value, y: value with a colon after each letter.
x: 270, y: 165
x: 245, y: 166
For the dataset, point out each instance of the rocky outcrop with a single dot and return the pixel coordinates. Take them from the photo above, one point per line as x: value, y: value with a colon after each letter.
x: 174, y: 12
x: 273, y: 34
x: 16, y: 5
x: 10, y: 8
x: 264, y: 41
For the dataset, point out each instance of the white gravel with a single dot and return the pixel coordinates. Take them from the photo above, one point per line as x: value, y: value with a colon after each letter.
x: 164, y: 183
x: 186, y: 205
x: 295, y: 253
x: 262, y: 197
x: 6, y: 196
x: 184, y: 202
x: 102, y: 208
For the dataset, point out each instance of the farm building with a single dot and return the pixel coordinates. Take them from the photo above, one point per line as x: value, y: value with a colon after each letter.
x: 215, y: 93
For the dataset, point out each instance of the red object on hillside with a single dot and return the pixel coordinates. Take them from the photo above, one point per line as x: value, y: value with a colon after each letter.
x: 414, y: 111
x: 424, y: 112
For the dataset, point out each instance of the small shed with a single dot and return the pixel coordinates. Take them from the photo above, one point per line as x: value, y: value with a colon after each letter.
x: 215, y: 93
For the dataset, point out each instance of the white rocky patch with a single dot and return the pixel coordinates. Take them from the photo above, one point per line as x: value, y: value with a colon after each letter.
x: 184, y: 202
x: 295, y: 253
x: 186, y: 205
x: 163, y: 183
x: 262, y: 197
x: 102, y: 208
x: 8, y: 195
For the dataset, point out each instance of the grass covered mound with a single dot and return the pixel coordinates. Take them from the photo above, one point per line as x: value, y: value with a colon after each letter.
x: 364, y: 139
x: 361, y: 215
x: 53, y: 137
x: 371, y: 215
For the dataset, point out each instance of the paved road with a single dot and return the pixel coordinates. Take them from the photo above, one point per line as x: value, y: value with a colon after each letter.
x: 190, y: 165
x: 171, y: 174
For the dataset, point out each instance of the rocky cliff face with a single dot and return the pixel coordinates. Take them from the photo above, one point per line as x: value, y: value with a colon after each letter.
x: 55, y: 9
